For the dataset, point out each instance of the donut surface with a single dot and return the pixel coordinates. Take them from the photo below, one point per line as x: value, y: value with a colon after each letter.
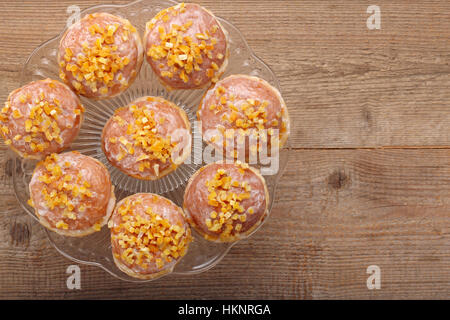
x: 226, y: 202
x: 148, y: 138
x: 149, y: 235
x: 186, y: 46
x: 100, y: 55
x: 244, y: 112
x: 40, y: 118
x: 72, y: 194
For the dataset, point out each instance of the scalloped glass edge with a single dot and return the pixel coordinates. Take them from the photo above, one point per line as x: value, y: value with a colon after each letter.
x: 272, y: 181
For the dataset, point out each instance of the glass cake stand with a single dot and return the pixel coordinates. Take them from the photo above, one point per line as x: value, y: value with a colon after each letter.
x: 95, y: 249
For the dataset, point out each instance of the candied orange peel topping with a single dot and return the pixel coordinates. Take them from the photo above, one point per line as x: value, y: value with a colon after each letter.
x: 63, y: 190
x: 41, y: 123
x: 226, y: 195
x: 143, y: 134
x: 249, y: 117
x: 148, y: 238
x: 99, y: 64
x: 182, y: 53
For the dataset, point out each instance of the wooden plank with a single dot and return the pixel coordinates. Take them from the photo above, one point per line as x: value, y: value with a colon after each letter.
x: 345, y: 86
x: 347, y: 209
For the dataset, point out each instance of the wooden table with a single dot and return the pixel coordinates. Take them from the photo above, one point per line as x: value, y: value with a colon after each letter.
x: 368, y: 181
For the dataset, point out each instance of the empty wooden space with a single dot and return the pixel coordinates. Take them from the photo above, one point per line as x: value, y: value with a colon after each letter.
x: 368, y: 180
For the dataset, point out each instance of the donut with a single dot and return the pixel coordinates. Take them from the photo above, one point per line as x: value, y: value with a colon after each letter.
x: 242, y: 113
x: 186, y: 46
x: 71, y: 194
x: 226, y: 202
x: 148, y: 138
x: 100, y: 55
x: 41, y: 118
x: 149, y: 235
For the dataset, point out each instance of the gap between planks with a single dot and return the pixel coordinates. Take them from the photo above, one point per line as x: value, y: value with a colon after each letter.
x: 370, y: 148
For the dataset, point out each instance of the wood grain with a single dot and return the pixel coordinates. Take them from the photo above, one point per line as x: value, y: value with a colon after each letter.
x: 368, y: 180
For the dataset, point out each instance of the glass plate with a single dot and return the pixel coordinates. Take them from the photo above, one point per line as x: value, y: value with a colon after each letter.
x: 96, y: 248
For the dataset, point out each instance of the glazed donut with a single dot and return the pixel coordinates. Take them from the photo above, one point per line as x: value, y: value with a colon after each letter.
x: 186, y: 46
x: 240, y: 108
x: 100, y: 55
x: 40, y: 118
x: 148, y: 138
x: 226, y: 202
x: 149, y: 235
x: 72, y: 194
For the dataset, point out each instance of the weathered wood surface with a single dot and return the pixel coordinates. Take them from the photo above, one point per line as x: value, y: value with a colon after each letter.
x: 368, y: 181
